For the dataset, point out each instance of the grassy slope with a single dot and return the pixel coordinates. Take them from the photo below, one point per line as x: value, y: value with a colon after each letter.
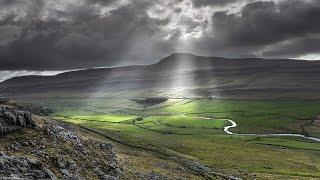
x: 205, y: 140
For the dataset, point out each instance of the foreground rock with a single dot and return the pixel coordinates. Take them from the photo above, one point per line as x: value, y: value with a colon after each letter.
x: 56, y: 151
x: 22, y: 168
x: 12, y: 120
x: 51, y: 150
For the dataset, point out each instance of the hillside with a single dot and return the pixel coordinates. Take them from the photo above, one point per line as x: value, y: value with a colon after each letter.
x: 47, y: 149
x: 180, y: 75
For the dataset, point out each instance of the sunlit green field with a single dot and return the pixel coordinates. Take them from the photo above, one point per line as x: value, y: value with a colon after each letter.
x: 105, y: 117
x: 181, y: 121
x: 195, y: 128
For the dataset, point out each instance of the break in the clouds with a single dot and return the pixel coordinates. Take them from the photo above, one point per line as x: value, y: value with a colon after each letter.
x: 73, y: 34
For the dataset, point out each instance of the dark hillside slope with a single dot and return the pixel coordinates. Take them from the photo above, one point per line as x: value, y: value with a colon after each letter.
x: 180, y: 75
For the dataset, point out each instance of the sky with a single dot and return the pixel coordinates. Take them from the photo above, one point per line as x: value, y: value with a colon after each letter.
x: 49, y: 36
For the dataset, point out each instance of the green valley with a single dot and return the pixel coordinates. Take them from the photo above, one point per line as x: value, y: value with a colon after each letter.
x: 195, y: 128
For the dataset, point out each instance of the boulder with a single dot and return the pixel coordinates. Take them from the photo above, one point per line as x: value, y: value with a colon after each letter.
x: 12, y: 119
x: 106, y: 146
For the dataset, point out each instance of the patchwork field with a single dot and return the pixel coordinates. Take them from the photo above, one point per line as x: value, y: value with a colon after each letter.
x: 195, y: 128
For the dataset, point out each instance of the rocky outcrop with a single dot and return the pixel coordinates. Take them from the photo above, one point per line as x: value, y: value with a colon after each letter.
x: 23, y: 168
x: 64, y: 150
x: 53, y: 150
x: 12, y: 119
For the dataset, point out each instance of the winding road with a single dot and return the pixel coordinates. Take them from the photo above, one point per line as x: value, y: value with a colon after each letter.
x: 234, y: 124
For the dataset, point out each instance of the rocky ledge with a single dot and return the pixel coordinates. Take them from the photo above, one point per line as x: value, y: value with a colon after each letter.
x: 12, y: 119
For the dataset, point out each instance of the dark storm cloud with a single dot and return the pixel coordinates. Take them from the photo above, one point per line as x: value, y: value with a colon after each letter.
x: 201, y: 3
x: 102, y: 2
x: 73, y: 34
x: 266, y: 22
x: 85, y: 39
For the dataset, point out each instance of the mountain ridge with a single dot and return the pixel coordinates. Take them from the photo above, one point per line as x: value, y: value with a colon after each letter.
x: 168, y: 60
x: 180, y: 75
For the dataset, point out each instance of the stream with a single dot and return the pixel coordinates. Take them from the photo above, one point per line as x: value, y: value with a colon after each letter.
x: 234, y: 124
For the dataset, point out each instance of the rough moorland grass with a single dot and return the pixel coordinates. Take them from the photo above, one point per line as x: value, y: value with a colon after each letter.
x: 288, y: 143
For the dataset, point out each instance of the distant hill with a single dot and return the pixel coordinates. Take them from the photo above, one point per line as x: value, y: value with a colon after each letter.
x: 180, y: 75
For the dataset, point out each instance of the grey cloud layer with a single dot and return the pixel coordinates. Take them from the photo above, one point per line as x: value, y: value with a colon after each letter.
x: 266, y: 22
x: 201, y: 3
x: 73, y: 34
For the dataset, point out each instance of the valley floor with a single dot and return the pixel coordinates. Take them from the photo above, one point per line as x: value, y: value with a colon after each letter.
x: 193, y: 129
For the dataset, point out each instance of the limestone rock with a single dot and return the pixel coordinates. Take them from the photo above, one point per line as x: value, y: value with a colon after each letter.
x: 12, y: 120
x: 23, y: 168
